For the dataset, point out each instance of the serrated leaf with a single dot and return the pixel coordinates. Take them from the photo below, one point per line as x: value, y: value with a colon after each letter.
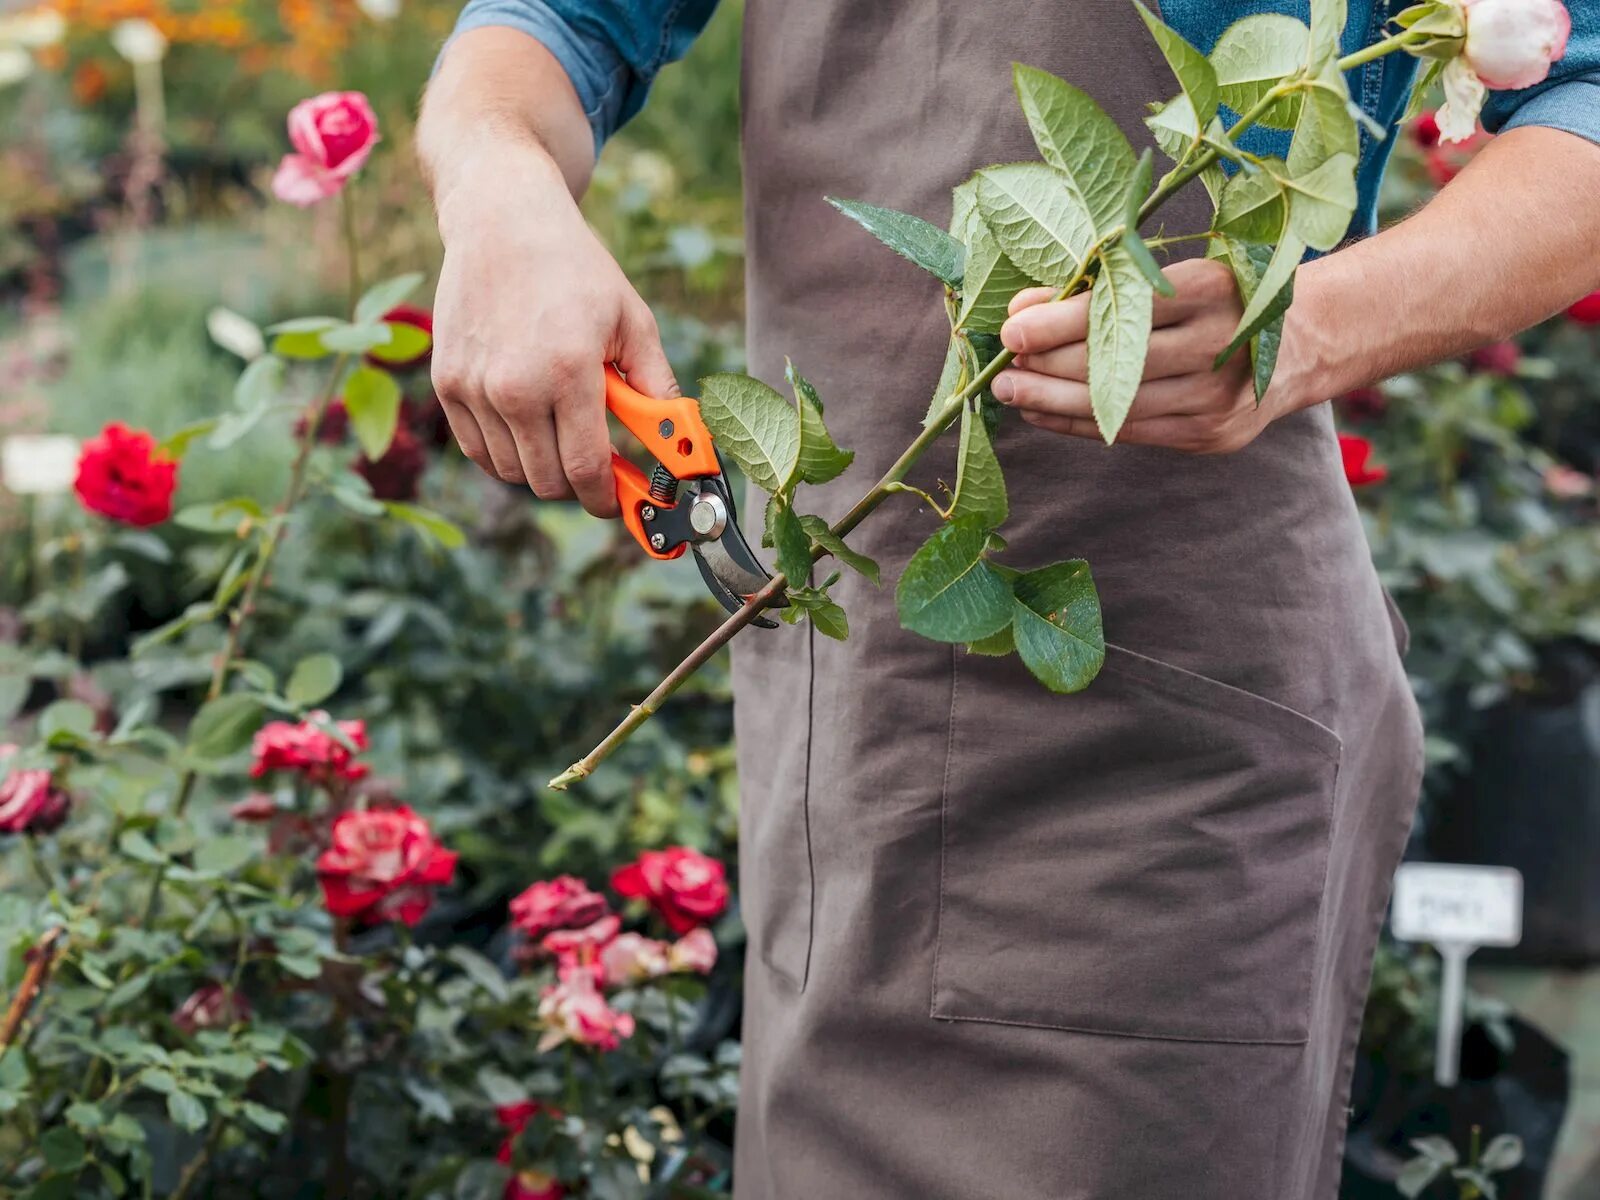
x: 1138, y: 189
x: 1057, y: 625
x: 372, y: 399
x: 1037, y: 220
x: 791, y: 542
x: 820, y: 609
x: 224, y: 726
x: 1322, y: 201
x: 820, y: 459
x: 1075, y: 136
x: 1253, y: 55
x: 313, y: 680
x: 980, y: 484
x: 1328, y: 18
x: 1253, y: 206
x: 992, y: 280
x: 754, y: 426
x: 1271, y: 297
x: 1194, y: 72
x: 1119, y: 335
x: 919, y: 241
x: 818, y: 531
x: 1248, y: 264
x: 381, y: 297
x: 436, y: 528
x: 1326, y: 126
x: 947, y: 592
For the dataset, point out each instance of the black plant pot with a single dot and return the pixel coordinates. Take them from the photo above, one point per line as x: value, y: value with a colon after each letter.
x: 1523, y: 1091
x: 1532, y: 801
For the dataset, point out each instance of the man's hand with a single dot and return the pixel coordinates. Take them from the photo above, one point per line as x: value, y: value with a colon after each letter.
x: 530, y: 305
x: 1182, y: 403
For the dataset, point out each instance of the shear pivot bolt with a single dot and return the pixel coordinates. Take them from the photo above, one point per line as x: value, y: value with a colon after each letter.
x: 708, y: 516
x: 658, y: 541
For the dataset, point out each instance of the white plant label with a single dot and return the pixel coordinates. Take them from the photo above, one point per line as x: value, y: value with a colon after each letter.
x: 1444, y: 902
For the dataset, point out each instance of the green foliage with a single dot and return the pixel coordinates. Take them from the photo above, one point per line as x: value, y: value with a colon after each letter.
x: 754, y: 426
x: 1036, y: 220
x: 980, y: 486
x: 1056, y: 625
x: 1252, y: 55
x: 948, y: 591
x: 1192, y: 111
x: 372, y: 398
x: 1075, y: 136
x: 914, y: 239
x: 1119, y: 334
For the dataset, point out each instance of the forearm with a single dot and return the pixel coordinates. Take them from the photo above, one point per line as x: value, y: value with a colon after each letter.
x: 1505, y: 245
x: 502, y: 105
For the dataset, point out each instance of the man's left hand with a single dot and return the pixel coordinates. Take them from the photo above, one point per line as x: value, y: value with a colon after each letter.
x: 1182, y: 403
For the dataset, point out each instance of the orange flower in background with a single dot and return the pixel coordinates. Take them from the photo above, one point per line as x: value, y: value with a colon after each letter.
x: 89, y: 83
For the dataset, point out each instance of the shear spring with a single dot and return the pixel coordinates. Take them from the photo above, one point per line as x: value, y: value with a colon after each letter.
x: 663, y: 485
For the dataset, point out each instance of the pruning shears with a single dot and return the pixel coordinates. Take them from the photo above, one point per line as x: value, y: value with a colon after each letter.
x: 702, y: 516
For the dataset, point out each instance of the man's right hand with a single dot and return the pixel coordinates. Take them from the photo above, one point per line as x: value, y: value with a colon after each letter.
x: 530, y: 307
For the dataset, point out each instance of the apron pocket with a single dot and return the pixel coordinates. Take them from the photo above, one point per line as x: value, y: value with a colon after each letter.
x: 1146, y: 858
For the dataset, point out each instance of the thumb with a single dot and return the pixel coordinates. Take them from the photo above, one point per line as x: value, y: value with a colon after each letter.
x: 640, y: 356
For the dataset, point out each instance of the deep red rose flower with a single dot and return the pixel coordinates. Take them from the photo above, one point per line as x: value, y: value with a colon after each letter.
x: 1425, y: 130
x: 1587, y: 310
x: 332, y: 429
x: 1357, y: 451
x: 564, y: 902
x: 122, y: 475
x: 396, y: 475
x: 309, y: 749
x: 685, y: 887
x: 383, y: 865
x: 524, y: 1185
x: 1364, y: 404
x: 1497, y: 358
x: 212, y: 1006
x: 417, y: 318
x: 31, y: 803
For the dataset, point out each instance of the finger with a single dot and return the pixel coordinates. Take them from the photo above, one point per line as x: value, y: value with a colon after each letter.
x: 584, y: 443
x: 1028, y: 297
x: 638, y: 353
x: 1029, y: 391
x: 1046, y: 326
x: 464, y: 428
x: 539, y: 456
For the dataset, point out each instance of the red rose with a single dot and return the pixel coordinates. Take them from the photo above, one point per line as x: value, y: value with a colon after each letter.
x: 1497, y: 358
x: 333, y: 427
x: 1364, y: 404
x: 417, y: 318
x: 123, y: 476
x: 309, y: 749
x: 582, y: 947
x: 1587, y: 310
x: 524, y: 1185
x: 1356, y: 452
x: 686, y: 887
x: 1425, y: 130
x: 383, y: 866
x: 560, y: 903
x: 31, y: 803
x: 212, y: 1006
x: 396, y: 475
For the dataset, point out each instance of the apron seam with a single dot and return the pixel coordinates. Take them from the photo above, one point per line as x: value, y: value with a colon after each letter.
x: 944, y: 809
x: 805, y: 801
x: 1128, y: 1033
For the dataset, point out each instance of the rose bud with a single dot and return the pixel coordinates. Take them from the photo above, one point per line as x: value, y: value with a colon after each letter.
x: 332, y: 135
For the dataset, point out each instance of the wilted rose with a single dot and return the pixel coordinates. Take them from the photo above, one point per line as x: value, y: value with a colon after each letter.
x: 332, y: 135
x: 212, y: 1006
x: 383, y: 865
x: 686, y: 887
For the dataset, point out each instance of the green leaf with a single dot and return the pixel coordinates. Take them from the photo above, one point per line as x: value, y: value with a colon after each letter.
x: 372, y: 398
x: 1037, y: 219
x: 1119, y: 335
x: 223, y: 516
x: 924, y: 244
x: 952, y: 378
x: 1325, y: 127
x: 1271, y: 297
x: 980, y: 484
x: 1253, y: 206
x: 1503, y: 1153
x: 1417, y: 1176
x: 263, y: 1118
x: 996, y: 645
x: 1138, y: 189
x: 186, y: 1111
x: 224, y: 726
x: 140, y: 848
x: 313, y: 680
x: 1075, y: 136
x: 819, y: 459
x: 1255, y: 54
x: 754, y: 426
x: 69, y: 719
x: 406, y: 343
x: 301, y: 338
x: 355, y: 339
x: 1322, y: 201
x: 818, y: 531
x: 947, y: 592
x: 381, y: 297
x: 1195, y: 75
x: 431, y: 525
x: 224, y: 854
x: 992, y: 280
x: 176, y: 445
x: 816, y: 605
x: 1057, y: 625
x: 1248, y: 263
x: 790, y: 539
x: 305, y: 325
x: 1328, y: 19
x: 62, y: 1148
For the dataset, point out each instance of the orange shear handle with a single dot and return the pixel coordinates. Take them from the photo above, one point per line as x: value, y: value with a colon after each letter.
x: 671, y: 429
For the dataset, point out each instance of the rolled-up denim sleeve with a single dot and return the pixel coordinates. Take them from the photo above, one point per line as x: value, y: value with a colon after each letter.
x: 1570, y: 98
x: 610, y: 49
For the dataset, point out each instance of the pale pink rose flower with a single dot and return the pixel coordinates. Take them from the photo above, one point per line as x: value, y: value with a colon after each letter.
x: 573, y: 1010
x: 1511, y: 43
x: 332, y: 135
x: 634, y: 958
x: 695, y: 953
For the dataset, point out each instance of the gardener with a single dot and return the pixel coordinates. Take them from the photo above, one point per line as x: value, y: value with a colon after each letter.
x: 1112, y: 946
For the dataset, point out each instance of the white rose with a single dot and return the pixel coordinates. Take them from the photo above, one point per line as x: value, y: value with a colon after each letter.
x: 139, y: 41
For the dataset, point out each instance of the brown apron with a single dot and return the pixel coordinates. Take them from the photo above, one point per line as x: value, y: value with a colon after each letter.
x: 1111, y: 946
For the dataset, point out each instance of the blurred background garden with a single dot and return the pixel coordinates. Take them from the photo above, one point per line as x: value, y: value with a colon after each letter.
x: 436, y: 644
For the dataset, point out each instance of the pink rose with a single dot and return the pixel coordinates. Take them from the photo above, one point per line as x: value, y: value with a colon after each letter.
x: 634, y: 958
x: 582, y: 947
x: 686, y: 887
x: 1511, y: 43
x: 695, y: 953
x: 1564, y: 483
x: 559, y: 903
x: 383, y: 865
x: 573, y: 1010
x: 332, y: 134
x: 309, y: 749
x: 1497, y: 358
x: 212, y: 1006
x: 31, y: 803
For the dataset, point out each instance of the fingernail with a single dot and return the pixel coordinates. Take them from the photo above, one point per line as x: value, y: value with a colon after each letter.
x: 1003, y: 387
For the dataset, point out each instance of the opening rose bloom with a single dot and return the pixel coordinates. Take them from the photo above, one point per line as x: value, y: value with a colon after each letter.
x: 383, y: 865
x: 685, y: 887
x: 332, y: 135
x: 573, y: 1010
x: 582, y: 947
x: 308, y: 748
x: 31, y: 803
x: 1510, y: 44
x: 122, y: 475
x: 1358, y: 467
x: 559, y: 903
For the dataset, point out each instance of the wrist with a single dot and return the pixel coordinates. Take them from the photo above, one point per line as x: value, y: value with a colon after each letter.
x: 478, y: 176
x: 1317, y: 354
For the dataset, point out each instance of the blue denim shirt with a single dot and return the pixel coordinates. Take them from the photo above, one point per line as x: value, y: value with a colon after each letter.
x: 612, y: 49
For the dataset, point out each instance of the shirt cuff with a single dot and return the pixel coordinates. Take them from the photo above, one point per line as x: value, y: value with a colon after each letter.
x: 598, y: 73
x: 1571, y: 104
